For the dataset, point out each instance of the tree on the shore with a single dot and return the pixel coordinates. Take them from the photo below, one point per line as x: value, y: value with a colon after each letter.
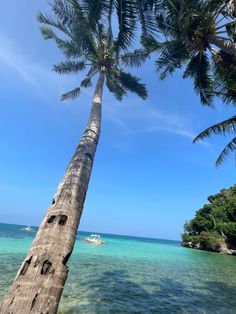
x: 87, y: 45
x: 214, y: 226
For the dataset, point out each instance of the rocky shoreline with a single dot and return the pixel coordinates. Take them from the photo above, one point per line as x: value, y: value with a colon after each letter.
x: 223, y: 248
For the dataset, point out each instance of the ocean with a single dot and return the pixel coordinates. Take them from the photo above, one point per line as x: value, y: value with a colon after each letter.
x: 132, y: 275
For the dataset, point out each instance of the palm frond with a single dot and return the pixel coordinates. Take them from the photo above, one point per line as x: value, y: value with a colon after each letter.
x: 225, y: 77
x: 125, y: 10
x: 101, y: 32
x: 86, y: 82
x: 199, y: 70
x: 71, y: 95
x: 230, y: 147
x: 110, y: 15
x: 167, y: 26
x: 171, y: 7
x: 214, y: 5
x: 72, y: 22
x: 173, y: 55
x: 63, y: 11
x: 69, y: 66
x: 48, y: 33
x: 96, y: 11
x: 226, y: 93
x: 150, y: 43
x: 132, y: 83
x: 146, y: 18
x: 114, y: 85
x: 92, y: 71
x: 80, y: 29
x: 223, y: 127
x: 135, y: 58
x: 68, y: 47
x: 47, y: 20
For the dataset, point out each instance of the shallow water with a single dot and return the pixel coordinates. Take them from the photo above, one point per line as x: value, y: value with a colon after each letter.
x: 132, y: 275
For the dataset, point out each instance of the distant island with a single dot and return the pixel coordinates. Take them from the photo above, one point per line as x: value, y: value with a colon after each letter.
x: 214, y: 226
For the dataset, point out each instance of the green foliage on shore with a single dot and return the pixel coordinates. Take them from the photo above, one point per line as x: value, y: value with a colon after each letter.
x: 214, y: 226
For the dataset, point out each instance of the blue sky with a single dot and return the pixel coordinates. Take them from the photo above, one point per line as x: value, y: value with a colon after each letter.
x: 148, y: 177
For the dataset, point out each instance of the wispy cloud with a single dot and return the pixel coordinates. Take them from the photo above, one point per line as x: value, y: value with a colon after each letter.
x: 15, y: 62
x: 176, y: 131
x: 19, y: 61
x: 31, y: 71
x: 143, y: 119
x: 133, y: 117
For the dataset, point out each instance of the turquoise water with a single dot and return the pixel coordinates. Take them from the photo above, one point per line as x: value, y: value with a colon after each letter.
x: 132, y: 275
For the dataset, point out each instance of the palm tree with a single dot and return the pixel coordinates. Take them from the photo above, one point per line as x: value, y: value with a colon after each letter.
x: 225, y: 127
x: 87, y: 46
x: 191, y: 30
x: 198, y: 23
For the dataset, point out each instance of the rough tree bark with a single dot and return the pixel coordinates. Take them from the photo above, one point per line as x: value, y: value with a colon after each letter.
x: 224, y: 44
x: 231, y: 8
x: 40, y: 280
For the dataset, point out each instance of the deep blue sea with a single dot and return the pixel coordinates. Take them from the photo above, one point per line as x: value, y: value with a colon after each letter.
x: 132, y: 275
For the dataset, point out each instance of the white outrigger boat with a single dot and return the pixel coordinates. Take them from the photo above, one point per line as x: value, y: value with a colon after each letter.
x: 93, y: 239
x: 28, y: 228
x: 95, y: 235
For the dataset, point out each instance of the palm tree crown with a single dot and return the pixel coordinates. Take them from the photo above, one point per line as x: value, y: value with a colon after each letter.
x: 90, y: 46
x: 190, y: 32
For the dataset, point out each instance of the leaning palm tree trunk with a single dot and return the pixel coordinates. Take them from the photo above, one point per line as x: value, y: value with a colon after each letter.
x: 40, y: 281
x: 224, y: 44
